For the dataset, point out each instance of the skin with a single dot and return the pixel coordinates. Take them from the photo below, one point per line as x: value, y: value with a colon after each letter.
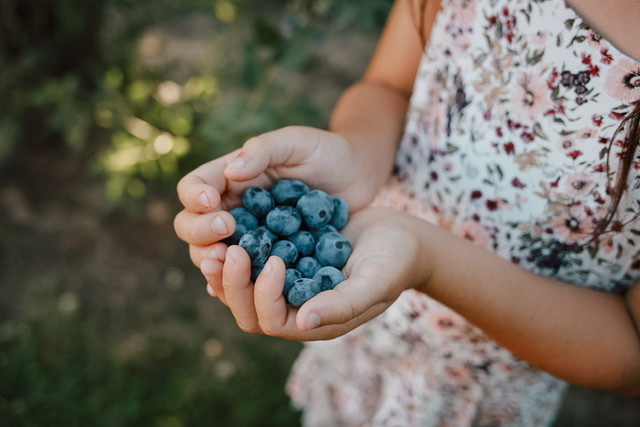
x: 586, y: 337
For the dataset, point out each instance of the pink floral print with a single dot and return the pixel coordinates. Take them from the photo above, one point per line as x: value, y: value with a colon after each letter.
x: 506, y: 144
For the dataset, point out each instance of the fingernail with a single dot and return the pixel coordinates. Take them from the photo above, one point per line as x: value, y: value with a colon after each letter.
x: 218, y: 253
x: 267, y: 269
x: 219, y: 226
x: 207, y: 267
x: 204, y: 200
x: 229, y: 259
x: 313, y: 321
x: 210, y: 291
x: 238, y: 163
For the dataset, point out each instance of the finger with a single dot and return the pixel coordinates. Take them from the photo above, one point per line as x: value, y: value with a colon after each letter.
x: 203, y: 229
x: 199, y: 253
x: 238, y: 289
x: 283, y: 147
x: 211, y: 267
x: 275, y: 316
x: 358, y: 299
x: 200, y: 190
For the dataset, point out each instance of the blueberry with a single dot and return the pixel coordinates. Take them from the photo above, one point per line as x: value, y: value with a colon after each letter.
x: 284, y: 220
x: 272, y: 236
x: 257, y: 244
x: 302, y: 290
x: 258, y: 201
x: 288, y: 191
x: 329, y: 277
x: 333, y: 249
x: 291, y: 276
x: 285, y: 250
x: 245, y: 221
x: 308, y: 266
x: 316, y: 208
x: 255, y: 271
x: 304, y: 241
x: 340, y: 213
x: 319, y: 232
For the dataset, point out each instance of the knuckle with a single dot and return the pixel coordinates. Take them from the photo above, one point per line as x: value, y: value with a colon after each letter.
x: 194, y: 254
x: 249, y: 328
x: 269, y: 328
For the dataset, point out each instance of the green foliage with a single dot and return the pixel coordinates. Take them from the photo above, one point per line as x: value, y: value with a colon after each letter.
x: 50, y: 65
x: 72, y: 66
x: 56, y: 378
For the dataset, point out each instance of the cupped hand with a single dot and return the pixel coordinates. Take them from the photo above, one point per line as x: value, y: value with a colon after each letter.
x: 387, y: 259
x: 320, y: 158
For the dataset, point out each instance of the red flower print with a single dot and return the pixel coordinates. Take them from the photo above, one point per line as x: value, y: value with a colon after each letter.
x: 509, y: 148
x: 597, y: 120
x: 606, y: 56
x: 574, y: 154
x: 517, y: 183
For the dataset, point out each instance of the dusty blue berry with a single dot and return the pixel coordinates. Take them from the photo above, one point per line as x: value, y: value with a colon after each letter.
x: 308, y: 266
x: 291, y: 275
x: 258, y: 201
x: 340, y: 215
x: 288, y: 191
x: 329, y: 277
x: 316, y: 208
x: 302, y: 290
x: 304, y: 241
x: 284, y: 220
x: 333, y: 249
x: 285, y: 250
x: 258, y: 246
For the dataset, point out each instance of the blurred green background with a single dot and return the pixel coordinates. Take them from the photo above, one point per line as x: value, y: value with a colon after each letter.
x: 104, y: 105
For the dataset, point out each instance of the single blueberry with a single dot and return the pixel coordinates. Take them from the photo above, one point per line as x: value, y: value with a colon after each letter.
x: 255, y: 271
x: 319, y: 232
x: 329, y: 277
x: 284, y: 220
x: 340, y: 213
x: 272, y: 236
x: 316, y: 208
x: 333, y: 249
x: 302, y: 290
x: 245, y: 221
x: 304, y: 241
x: 257, y: 244
x: 285, y: 250
x: 288, y: 191
x: 291, y: 275
x: 258, y: 201
x: 308, y: 266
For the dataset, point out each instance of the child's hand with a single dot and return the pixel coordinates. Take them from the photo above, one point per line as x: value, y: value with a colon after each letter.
x: 321, y: 159
x: 386, y: 260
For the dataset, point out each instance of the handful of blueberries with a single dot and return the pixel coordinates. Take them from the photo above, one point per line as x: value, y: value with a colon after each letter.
x: 301, y: 226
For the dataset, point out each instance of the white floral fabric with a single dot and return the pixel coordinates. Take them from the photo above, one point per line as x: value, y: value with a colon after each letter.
x: 515, y: 105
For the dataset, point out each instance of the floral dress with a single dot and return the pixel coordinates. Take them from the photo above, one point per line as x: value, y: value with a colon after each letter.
x: 514, y: 109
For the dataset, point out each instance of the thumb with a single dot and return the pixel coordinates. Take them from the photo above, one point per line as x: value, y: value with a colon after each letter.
x: 288, y: 146
x: 352, y: 302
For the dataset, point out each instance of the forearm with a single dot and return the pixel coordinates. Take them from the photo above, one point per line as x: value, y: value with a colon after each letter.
x: 584, y: 336
x: 371, y: 116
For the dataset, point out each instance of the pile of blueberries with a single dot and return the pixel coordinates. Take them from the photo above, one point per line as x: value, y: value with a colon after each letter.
x: 302, y: 227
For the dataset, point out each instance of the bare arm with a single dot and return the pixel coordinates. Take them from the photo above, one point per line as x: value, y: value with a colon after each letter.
x: 371, y: 114
x: 584, y: 336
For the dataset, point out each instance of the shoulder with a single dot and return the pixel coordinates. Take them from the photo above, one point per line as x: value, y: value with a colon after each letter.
x: 617, y: 21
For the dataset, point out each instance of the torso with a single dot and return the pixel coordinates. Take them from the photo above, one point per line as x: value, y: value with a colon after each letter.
x: 513, y: 106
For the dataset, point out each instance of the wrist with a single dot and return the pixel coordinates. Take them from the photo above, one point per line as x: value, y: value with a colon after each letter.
x: 369, y: 171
